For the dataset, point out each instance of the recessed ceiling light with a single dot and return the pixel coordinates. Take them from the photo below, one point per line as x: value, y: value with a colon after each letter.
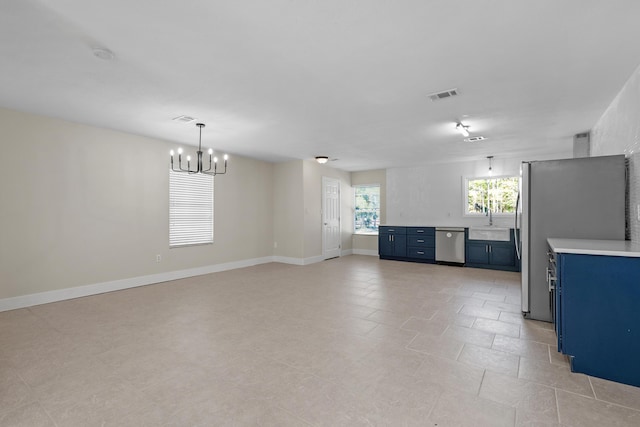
x: 103, y: 53
x: 475, y: 139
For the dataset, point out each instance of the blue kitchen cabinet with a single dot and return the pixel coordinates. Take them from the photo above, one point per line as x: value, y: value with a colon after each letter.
x: 392, y: 242
x: 477, y: 253
x: 596, y: 314
x: 491, y: 254
x: 421, y: 244
x: 417, y: 244
x: 502, y: 254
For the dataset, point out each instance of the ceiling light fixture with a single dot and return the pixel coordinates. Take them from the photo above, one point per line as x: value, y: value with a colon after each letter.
x: 103, y: 53
x: 322, y: 159
x: 490, y: 168
x: 213, y: 161
x: 464, y: 130
x: 475, y: 138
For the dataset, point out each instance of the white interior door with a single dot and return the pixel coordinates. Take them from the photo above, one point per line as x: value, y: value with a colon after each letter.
x: 330, y: 218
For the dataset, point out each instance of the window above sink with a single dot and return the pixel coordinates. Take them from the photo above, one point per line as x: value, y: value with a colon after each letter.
x: 495, y: 194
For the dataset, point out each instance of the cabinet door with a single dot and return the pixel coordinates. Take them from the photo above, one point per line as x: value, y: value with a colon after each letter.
x: 557, y: 293
x: 385, y: 246
x: 477, y: 253
x: 502, y: 255
x: 400, y: 244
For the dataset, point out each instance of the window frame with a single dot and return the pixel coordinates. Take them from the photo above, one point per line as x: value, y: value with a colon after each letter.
x: 207, y: 238
x: 465, y: 195
x: 353, y: 217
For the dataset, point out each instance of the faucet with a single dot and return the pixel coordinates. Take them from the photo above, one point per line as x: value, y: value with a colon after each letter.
x: 490, y: 215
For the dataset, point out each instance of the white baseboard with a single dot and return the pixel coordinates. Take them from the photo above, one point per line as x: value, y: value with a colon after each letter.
x: 346, y: 252
x: 365, y: 252
x: 288, y: 260
x: 298, y: 261
x: 30, y: 300
x: 117, y: 285
x: 313, y: 259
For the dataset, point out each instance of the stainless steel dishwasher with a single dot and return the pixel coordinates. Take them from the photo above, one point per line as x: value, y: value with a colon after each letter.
x: 450, y: 245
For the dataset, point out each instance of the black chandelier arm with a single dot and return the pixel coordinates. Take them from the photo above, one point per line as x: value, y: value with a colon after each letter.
x: 213, y: 161
x: 213, y: 173
x: 183, y: 170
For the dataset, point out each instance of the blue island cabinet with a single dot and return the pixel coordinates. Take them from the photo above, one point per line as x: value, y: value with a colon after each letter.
x: 598, y: 314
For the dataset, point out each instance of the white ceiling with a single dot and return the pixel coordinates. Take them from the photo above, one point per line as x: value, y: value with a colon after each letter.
x: 285, y: 79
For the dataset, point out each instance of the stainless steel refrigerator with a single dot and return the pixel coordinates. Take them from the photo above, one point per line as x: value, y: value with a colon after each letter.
x: 580, y: 198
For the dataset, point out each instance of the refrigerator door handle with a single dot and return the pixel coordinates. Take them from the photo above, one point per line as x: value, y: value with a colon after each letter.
x: 515, y: 228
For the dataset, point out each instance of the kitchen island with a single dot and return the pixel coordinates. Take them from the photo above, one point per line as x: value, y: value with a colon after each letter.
x: 596, y: 290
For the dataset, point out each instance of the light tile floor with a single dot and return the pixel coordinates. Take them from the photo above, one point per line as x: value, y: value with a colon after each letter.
x: 346, y: 342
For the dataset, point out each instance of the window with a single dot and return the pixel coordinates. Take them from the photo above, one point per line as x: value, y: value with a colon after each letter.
x: 497, y: 194
x: 190, y: 209
x: 367, y: 209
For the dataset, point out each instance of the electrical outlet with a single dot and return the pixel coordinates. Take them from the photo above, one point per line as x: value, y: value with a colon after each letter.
x: 158, y: 258
x: 638, y: 209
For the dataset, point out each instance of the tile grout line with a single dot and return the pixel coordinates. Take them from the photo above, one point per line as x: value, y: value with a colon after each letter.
x: 606, y: 401
x: 555, y: 391
x: 595, y: 396
x: 484, y: 373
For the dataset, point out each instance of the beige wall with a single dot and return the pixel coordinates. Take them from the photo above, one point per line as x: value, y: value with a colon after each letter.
x: 369, y: 244
x: 83, y: 205
x: 288, y: 218
x: 312, y: 179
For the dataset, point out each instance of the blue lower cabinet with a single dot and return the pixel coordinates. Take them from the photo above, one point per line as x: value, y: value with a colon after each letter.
x: 392, y: 242
x: 492, y: 255
x: 598, y: 299
x: 407, y: 243
x: 477, y: 253
x: 422, y: 253
x: 502, y: 255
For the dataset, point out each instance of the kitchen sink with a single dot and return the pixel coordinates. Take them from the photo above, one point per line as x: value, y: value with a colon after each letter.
x: 489, y: 233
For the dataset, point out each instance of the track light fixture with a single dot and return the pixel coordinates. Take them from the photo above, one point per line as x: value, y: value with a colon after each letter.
x: 464, y: 130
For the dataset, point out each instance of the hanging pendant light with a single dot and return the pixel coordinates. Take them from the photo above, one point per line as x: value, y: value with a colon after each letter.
x: 213, y: 161
x: 490, y: 168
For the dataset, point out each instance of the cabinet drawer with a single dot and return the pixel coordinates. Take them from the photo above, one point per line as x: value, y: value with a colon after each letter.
x: 422, y: 231
x: 421, y: 241
x: 421, y: 253
x: 386, y: 229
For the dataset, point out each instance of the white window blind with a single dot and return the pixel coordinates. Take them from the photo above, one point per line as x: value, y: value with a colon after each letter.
x: 190, y: 209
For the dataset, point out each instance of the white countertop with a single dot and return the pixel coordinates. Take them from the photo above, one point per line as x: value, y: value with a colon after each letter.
x: 595, y: 247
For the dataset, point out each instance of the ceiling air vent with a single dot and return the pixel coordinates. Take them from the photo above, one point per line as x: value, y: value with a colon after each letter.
x: 475, y: 139
x: 184, y: 119
x: 444, y: 94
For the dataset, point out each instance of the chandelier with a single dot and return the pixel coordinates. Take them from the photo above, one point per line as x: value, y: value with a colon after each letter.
x: 213, y: 161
